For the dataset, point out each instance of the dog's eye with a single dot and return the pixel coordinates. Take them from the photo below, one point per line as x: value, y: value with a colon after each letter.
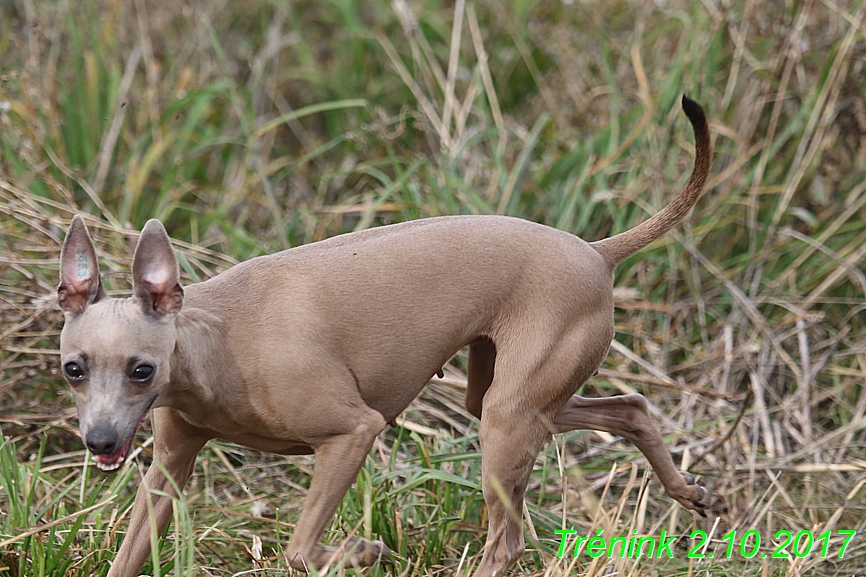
x: 142, y: 373
x: 73, y: 371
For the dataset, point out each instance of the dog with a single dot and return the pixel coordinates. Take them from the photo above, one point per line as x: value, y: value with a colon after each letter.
x: 317, y: 348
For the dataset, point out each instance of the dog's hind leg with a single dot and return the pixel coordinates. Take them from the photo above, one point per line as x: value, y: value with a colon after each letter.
x: 510, y: 441
x: 338, y: 460
x: 482, y: 358
x: 533, y: 380
x: 627, y: 416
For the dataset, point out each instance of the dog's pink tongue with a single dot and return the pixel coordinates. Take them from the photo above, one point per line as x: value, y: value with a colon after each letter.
x: 110, y: 459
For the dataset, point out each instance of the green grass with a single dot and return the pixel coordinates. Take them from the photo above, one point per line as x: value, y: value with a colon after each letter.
x: 250, y: 128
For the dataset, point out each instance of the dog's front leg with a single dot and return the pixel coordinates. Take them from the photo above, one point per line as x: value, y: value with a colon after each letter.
x: 627, y: 416
x: 338, y: 460
x: 175, y: 446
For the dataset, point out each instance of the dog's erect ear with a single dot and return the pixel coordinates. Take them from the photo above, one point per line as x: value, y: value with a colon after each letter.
x: 155, y: 274
x: 80, y: 284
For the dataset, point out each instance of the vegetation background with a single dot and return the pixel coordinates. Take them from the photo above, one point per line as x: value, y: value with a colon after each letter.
x: 250, y: 127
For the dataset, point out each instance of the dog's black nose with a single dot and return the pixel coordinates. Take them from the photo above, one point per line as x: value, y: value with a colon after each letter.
x: 101, y: 441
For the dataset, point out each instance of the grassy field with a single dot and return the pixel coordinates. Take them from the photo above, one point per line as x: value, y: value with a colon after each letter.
x: 252, y: 127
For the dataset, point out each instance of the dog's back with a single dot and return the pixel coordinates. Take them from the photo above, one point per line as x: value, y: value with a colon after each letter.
x: 417, y: 291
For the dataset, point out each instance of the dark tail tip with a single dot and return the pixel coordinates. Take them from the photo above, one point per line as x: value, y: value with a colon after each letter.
x: 694, y: 111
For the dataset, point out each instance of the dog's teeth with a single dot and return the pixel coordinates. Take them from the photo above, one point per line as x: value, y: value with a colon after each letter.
x: 108, y: 467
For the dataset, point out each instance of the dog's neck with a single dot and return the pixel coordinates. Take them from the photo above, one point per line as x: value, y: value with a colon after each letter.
x: 199, y: 362
x: 205, y: 382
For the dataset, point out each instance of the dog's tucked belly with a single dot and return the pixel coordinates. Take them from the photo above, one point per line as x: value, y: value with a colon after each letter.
x: 281, y: 445
x: 277, y: 446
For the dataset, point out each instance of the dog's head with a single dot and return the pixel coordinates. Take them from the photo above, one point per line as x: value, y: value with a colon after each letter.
x: 115, y: 353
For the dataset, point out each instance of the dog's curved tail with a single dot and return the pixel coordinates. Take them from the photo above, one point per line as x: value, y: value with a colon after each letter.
x: 616, y: 248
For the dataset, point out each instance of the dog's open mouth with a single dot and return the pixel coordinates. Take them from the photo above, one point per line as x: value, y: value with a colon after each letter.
x: 112, y: 462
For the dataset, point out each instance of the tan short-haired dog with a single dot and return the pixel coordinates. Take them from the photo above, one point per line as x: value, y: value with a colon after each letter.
x: 315, y: 349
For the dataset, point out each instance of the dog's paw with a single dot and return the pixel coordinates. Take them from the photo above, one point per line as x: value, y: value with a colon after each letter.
x: 354, y: 553
x: 363, y: 553
x: 696, y: 497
